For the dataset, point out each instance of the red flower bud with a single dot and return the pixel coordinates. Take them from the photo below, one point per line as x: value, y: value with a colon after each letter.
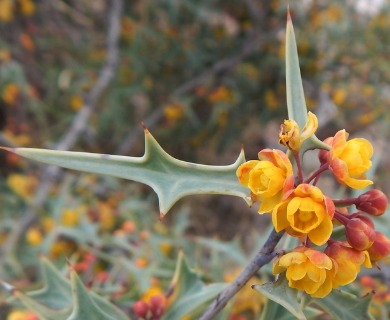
x: 373, y: 202
x: 363, y: 217
x: 380, y: 248
x: 323, y: 155
x: 157, y: 306
x: 360, y: 235
x: 141, y: 309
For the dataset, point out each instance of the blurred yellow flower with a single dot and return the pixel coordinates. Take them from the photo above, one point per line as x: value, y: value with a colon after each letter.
x: 27, y: 7
x: 173, y: 112
x: 76, y: 102
x: 22, y: 315
x: 307, y: 269
x: 10, y: 93
x: 6, y: 10
x: 21, y: 140
x: 107, y: 216
x: 34, y: 236
x: 22, y: 185
x: 70, y: 217
x: 339, y: 96
x: 271, y: 100
x: 221, y: 94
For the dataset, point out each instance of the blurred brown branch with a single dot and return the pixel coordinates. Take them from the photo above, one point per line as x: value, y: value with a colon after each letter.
x: 78, y: 126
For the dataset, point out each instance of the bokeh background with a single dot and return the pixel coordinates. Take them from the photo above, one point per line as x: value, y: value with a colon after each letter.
x: 205, y: 77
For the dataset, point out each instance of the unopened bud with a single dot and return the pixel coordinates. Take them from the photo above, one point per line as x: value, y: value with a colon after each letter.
x: 157, y: 306
x: 380, y: 248
x: 373, y: 202
x: 359, y: 234
x: 323, y: 154
x: 141, y: 309
x: 363, y: 217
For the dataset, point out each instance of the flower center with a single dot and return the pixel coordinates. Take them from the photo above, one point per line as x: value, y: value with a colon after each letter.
x: 305, y: 216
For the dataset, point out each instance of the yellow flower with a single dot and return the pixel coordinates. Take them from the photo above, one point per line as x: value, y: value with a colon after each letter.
x: 308, y: 270
x: 11, y: 93
x: 6, y: 10
x: 348, y: 261
x: 305, y: 212
x: 34, y: 236
x: 70, y: 217
x: 22, y: 315
x: 173, y: 112
x: 27, y: 7
x: 349, y: 160
x: 22, y: 185
x: 290, y: 135
x: 268, y: 179
x: 76, y: 102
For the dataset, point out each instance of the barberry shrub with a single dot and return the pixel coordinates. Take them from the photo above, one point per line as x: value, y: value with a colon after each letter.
x: 319, y: 258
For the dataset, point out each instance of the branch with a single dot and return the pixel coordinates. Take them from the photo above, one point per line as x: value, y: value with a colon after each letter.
x: 265, y: 255
x: 79, y: 124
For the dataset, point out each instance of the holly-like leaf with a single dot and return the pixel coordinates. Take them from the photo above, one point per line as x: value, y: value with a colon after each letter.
x: 273, y: 310
x: 61, y: 299
x: 342, y: 305
x: 84, y: 306
x: 296, y: 105
x: 170, y: 178
x: 282, y: 294
x: 189, y: 291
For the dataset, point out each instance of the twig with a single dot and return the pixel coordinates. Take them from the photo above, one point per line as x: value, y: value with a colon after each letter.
x: 265, y: 255
x: 79, y: 124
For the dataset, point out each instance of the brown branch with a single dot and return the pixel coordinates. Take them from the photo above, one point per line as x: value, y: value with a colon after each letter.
x: 265, y: 255
x: 78, y: 126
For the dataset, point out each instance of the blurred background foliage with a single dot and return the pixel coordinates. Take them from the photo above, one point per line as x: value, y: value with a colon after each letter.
x: 205, y: 77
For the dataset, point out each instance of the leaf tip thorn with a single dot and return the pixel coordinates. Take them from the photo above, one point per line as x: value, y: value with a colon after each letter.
x: 288, y: 14
x: 162, y: 215
x: 144, y: 127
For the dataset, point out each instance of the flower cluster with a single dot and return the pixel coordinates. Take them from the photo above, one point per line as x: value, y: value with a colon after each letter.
x: 302, y: 210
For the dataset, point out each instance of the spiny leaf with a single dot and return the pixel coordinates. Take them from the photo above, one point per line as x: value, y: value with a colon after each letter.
x: 83, y: 305
x: 189, y: 291
x: 342, y: 305
x: 296, y: 105
x: 282, y: 294
x: 273, y: 310
x: 170, y: 178
x: 61, y: 300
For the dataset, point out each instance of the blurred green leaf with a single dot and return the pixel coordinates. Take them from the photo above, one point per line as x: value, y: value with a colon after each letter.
x: 170, y: 178
x: 342, y: 305
x: 60, y: 299
x: 189, y: 291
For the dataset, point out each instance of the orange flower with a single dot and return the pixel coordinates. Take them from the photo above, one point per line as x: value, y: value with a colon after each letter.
x: 268, y: 179
x: 348, y: 261
x: 290, y: 135
x: 308, y: 270
x: 306, y: 211
x: 349, y: 160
